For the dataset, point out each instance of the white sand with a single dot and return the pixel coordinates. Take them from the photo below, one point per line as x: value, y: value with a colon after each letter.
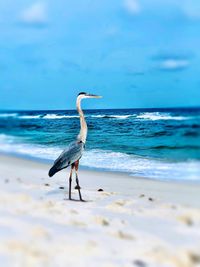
x: 133, y: 222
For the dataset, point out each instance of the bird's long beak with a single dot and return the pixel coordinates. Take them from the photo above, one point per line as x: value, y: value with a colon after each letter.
x: 93, y: 96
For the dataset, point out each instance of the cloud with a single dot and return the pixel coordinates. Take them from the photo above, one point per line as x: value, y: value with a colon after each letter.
x: 191, y: 9
x: 132, y: 6
x: 34, y: 15
x: 173, y: 64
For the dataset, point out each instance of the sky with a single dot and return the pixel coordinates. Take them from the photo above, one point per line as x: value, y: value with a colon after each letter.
x: 135, y: 53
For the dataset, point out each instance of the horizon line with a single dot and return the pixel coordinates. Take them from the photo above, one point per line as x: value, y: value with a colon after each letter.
x: 181, y: 107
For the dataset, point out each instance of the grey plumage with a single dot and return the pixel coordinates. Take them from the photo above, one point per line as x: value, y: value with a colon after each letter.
x: 70, y: 155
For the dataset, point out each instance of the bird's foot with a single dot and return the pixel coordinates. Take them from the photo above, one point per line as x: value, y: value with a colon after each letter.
x: 76, y: 200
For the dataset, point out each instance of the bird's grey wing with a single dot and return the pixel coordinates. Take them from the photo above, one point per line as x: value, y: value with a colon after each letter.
x: 71, y: 154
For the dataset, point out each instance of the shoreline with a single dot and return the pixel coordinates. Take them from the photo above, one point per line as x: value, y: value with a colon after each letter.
x: 120, y: 182
x: 95, y: 169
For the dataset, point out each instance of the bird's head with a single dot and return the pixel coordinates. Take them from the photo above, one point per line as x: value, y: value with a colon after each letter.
x: 86, y: 95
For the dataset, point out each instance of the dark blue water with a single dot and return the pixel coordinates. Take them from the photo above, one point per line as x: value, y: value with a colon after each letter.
x: 156, y: 143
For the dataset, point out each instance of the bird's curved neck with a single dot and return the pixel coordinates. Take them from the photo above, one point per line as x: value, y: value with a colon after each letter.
x: 83, y: 132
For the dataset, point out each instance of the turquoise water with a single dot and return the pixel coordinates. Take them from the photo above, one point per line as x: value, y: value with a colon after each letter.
x: 155, y: 143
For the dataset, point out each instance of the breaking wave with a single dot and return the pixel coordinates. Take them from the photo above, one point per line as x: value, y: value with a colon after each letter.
x: 153, y: 116
x: 112, y: 116
x: 108, y: 160
x: 55, y: 116
x: 8, y: 115
x: 158, y: 116
x: 28, y: 117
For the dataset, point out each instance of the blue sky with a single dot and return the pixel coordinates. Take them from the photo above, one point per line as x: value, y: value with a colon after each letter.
x: 136, y: 53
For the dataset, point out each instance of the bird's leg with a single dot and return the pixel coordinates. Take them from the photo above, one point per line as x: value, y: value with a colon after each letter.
x: 70, y: 183
x: 78, y: 186
x: 77, y: 181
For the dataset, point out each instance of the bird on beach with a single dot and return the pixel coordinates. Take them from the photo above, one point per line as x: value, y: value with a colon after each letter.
x: 72, y: 154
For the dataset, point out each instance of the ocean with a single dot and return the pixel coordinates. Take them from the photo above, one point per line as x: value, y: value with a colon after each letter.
x: 159, y: 144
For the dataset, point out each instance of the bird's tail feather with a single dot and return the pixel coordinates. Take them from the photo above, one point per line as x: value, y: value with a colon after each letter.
x: 54, y: 170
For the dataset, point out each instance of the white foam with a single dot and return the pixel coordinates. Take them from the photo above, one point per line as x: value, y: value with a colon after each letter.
x: 140, y: 166
x: 7, y: 115
x: 29, y: 117
x: 108, y: 160
x: 112, y: 116
x: 11, y: 144
x: 39, y: 116
x: 98, y: 116
x: 55, y: 116
x: 121, y: 117
x: 160, y: 116
x: 142, y: 116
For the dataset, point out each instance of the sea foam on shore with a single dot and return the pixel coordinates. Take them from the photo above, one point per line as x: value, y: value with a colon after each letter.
x: 108, y: 161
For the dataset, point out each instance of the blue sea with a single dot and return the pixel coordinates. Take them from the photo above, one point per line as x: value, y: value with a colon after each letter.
x: 160, y: 144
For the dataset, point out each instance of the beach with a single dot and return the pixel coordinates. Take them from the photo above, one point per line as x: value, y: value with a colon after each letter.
x: 109, y: 90
x: 132, y: 221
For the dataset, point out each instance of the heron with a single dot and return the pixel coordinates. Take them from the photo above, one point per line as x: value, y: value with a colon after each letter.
x: 72, y: 154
